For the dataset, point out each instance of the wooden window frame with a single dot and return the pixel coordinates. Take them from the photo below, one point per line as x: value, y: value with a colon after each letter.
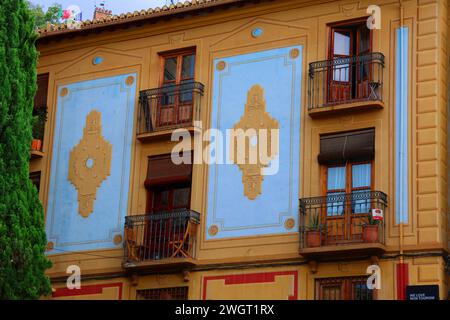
x: 348, y: 177
x: 152, y: 192
x: 179, y: 55
x: 349, y: 231
x: 177, y: 106
x: 346, y: 284
x: 351, y: 26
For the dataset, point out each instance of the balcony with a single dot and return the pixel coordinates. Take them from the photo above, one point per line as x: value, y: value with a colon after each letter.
x: 167, y: 108
x: 343, y: 84
x: 39, y: 120
x: 340, y: 225
x: 163, y: 239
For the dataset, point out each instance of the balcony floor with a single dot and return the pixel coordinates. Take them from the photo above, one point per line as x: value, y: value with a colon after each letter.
x: 352, y: 250
x: 163, y: 134
x: 346, y: 107
x: 166, y: 264
x: 34, y: 154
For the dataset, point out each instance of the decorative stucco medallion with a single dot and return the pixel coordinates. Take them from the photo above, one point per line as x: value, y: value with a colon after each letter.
x: 117, y: 239
x: 50, y: 246
x: 64, y: 92
x: 294, y: 53
x: 213, y: 230
x: 97, y: 60
x: 129, y: 81
x: 255, y: 121
x: 289, y: 223
x: 221, y: 65
x: 90, y: 163
x: 257, y: 32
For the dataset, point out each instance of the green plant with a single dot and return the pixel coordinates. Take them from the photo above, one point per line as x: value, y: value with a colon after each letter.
x: 371, y: 221
x: 39, y: 119
x: 314, y: 223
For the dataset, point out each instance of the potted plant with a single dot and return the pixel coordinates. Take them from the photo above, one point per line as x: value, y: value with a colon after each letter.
x: 370, y: 230
x: 39, y: 119
x: 314, y: 232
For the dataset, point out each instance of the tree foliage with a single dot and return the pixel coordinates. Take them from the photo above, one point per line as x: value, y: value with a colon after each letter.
x: 41, y: 18
x: 22, y: 236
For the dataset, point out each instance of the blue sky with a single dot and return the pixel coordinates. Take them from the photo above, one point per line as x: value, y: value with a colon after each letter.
x: 117, y: 6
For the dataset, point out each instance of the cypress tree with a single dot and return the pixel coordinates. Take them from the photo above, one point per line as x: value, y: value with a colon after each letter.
x: 22, y: 234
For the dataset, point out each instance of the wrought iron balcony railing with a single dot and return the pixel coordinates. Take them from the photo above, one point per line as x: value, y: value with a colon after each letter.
x: 171, y: 106
x: 345, y: 80
x: 160, y: 236
x: 342, y: 218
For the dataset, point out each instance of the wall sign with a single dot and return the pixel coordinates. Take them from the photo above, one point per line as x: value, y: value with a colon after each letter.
x: 429, y: 292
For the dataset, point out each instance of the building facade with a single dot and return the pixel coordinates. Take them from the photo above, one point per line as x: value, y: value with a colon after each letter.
x: 352, y: 98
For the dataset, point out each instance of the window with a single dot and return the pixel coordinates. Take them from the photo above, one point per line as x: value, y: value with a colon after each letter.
x: 352, y: 178
x: 178, y: 293
x: 169, y: 198
x: 40, y: 99
x: 35, y: 178
x: 349, y: 76
x: 352, y: 288
x: 179, y: 67
x: 347, y: 179
x: 40, y: 109
x: 177, y: 77
x: 168, y: 185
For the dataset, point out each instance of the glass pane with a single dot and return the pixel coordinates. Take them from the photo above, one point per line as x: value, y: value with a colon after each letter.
x: 341, y: 72
x: 364, y: 41
x: 341, y: 43
x: 361, y: 175
x: 336, y: 178
x: 181, y: 197
x: 361, y: 292
x: 186, y: 93
x: 331, y: 292
x: 360, y: 201
x: 335, y: 204
x: 170, y: 69
x: 167, y: 96
x: 164, y: 198
x: 188, y: 67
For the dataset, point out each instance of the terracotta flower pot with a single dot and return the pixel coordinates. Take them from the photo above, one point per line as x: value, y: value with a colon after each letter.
x: 36, y: 145
x: 313, y: 239
x: 370, y: 233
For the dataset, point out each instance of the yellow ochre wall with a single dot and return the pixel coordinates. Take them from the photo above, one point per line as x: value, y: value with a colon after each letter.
x: 285, y: 23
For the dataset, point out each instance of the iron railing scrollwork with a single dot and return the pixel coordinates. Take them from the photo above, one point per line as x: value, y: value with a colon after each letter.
x: 341, y: 218
x: 170, y: 106
x: 161, y: 235
x: 345, y: 80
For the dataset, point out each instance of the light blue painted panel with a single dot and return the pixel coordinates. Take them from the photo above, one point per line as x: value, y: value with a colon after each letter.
x: 401, y: 126
x: 280, y: 75
x: 65, y: 227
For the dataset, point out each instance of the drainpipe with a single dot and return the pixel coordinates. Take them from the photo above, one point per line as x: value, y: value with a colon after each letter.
x: 402, y: 268
x: 402, y: 213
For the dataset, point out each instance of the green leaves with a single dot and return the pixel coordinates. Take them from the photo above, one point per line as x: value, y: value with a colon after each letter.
x: 22, y: 236
x: 41, y: 18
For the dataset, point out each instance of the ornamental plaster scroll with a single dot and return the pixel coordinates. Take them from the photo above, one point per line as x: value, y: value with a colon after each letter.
x: 255, y: 118
x: 90, y: 163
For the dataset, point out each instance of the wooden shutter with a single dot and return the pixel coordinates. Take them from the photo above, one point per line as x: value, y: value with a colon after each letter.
x: 344, y: 147
x: 162, y: 171
x: 40, y: 99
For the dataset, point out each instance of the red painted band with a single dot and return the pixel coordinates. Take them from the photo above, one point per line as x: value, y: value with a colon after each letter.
x: 264, y: 277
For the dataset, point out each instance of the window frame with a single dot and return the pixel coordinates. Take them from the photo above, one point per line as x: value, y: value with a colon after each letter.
x: 347, y: 287
x: 348, y: 177
x: 337, y: 90
x: 348, y: 25
x: 179, y: 54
